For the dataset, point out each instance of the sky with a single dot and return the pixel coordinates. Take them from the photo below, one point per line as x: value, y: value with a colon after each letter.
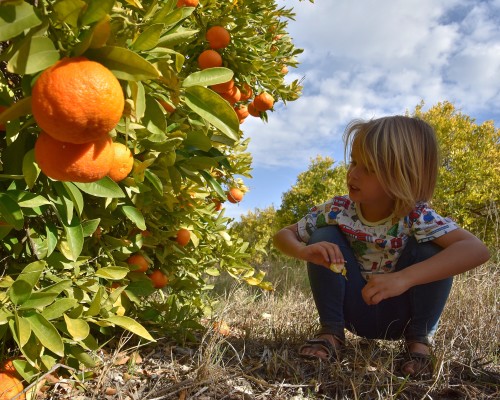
x: 367, y: 59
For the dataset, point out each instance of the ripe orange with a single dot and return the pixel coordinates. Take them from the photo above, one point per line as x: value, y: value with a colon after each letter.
x: 10, y: 386
x: 218, y: 37
x: 187, y: 3
x: 252, y: 110
x: 159, y: 279
x: 2, y: 126
x: 86, y: 162
x: 284, y: 70
x: 241, y: 112
x: 101, y: 33
x: 218, y: 204
x: 139, y: 261
x: 263, y: 102
x: 234, y: 195
x: 122, y: 163
x: 246, y: 92
x: 183, y: 237
x: 223, y: 87
x: 209, y: 59
x: 77, y: 100
x: 232, y: 96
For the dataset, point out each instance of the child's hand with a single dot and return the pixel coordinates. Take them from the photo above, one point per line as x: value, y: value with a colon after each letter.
x: 383, y: 286
x: 322, y: 253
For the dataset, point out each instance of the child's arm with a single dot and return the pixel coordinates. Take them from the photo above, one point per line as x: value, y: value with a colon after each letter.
x: 322, y: 253
x: 461, y: 252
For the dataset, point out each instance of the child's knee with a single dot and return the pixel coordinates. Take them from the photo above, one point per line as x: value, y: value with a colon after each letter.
x: 329, y: 233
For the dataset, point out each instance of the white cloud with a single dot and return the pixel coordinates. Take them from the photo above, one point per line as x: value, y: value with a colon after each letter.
x: 365, y: 59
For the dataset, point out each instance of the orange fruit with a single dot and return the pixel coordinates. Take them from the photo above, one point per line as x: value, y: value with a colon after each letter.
x: 159, y: 279
x: 101, y: 33
x: 263, y: 102
x: 218, y: 204
x: 284, y: 70
x: 252, y: 110
x: 241, y: 112
x: 232, y: 96
x: 223, y: 87
x: 183, y: 237
x: 77, y: 100
x: 139, y: 261
x: 122, y: 163
x: 246, y: 92
x: 167, y: 106
x: 209, y: 59
x: 85, y: 162
x: 187, y: 3
x: 10, y: 386
x: 222, y: 327
x: 234, y: 195
x: 218, y: 37
x: 2, y: 126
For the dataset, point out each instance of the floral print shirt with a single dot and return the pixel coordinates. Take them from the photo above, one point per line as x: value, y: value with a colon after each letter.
x: 378, y: 245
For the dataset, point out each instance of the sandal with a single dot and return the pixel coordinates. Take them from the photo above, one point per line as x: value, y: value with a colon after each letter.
x: 417, y: 365
x: 324, y: 345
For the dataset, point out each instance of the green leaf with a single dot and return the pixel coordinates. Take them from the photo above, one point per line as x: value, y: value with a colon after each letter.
x: 105, y: 187
x: 214, y: 109
x: 52, y: 237
x: 16, y: 110
x: 199, y: 140
x: 58, y: 308
x: 124, y: 63
x: 213, y: 183
x: 74, y: 238
x: 11, y: 212
x: 23, y: 329
x: 96, y: 10
x: 155, y: 181
x: 31, y: 170
x: 113, y: 273
x: 32, y: 272
x: 149, y: 38
x: 173, y: 17
x: 78, y: 328
x: 35, y: 54
x: 15, y: 19
x: 90, y: 226
x: 68, y: 11
x: 130, y: 325
x: 134, y: 215
x: 64, y: 204
x: 95, y: 305
x: 179, y: 36
x: 39, y: 300
x: 82, y: 356
x: 31, y: 200
x: 46, y: 333
x: 75, y: 195
x: 209, y: 76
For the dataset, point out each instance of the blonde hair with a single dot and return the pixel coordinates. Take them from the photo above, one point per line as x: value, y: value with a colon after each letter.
x: 403, y: 153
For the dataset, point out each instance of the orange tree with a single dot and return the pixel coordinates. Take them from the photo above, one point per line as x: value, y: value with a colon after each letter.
x: 65, y: 283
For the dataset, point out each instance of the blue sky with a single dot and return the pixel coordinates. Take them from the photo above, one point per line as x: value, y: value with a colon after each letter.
x: 366, y: 59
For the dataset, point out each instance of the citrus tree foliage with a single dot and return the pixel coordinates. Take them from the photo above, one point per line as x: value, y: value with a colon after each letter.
x: 321, y: 181
x: 257, y: 228
x: 468, y: 189
x: 64, y: 278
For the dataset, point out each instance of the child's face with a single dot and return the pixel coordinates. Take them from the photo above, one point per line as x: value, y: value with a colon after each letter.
x: 365, y: 188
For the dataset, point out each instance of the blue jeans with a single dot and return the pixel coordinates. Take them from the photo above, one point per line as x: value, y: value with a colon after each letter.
x: 413, y: 315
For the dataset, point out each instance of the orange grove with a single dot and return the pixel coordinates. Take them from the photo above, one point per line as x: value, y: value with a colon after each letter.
x: 122, y: 163
x: 218, y: 37
x: 139, y: 261
x: 77, y: 100
x: 209, y: 59
x: 86, y: 162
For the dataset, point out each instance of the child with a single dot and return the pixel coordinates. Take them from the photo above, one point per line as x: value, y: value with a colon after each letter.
x: 399, y: 254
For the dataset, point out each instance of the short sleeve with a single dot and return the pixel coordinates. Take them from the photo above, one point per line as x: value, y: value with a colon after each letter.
x: 427, y: 224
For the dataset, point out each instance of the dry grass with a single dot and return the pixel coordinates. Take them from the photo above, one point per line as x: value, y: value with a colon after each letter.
x: 259, y: 358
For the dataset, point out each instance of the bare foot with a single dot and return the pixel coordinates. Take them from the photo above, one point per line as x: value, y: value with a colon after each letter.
x: 312, y: 350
